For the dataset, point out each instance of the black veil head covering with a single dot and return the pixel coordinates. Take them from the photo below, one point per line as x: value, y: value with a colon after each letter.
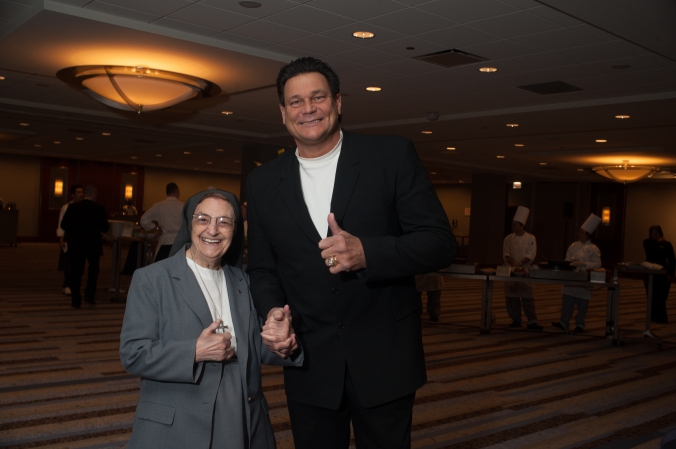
x: 233, y: 256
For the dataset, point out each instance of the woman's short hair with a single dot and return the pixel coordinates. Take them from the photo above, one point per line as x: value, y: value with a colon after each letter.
x: 657, y: 228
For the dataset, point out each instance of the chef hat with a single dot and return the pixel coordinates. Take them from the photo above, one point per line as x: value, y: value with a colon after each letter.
x: 591, y: 223
x: 521, y: 215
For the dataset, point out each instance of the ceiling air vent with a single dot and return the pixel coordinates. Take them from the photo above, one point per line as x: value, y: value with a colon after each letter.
x: 450, y: 58
x: 551, y: 88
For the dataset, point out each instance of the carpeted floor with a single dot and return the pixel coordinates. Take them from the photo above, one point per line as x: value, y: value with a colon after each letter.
x: 62, y: 385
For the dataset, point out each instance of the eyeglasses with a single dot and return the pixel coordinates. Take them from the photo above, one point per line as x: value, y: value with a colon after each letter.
x: 205, y: 220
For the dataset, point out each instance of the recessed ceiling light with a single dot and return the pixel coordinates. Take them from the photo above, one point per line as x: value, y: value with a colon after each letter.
x: 426, y: 132
x: 518, y: 144
x: 105, y: 134
x: 2, y: 78
x: 37, y: 145
x: 158, y: 155
x: 363, y: 34
x: 580, y: 169
x: 601, y: 141
x: 134, y: 157
x: 500, y: 157
x: 209, y: 163
x: 186, y: 152
x: 488, y: 69
x: 450, y: 148
x: 621, y: 116
x: 56, y: 142
x: 433, y: 173
x: 227, y: 112
x: 543, y: 163
x: 236, y: 161
x: 461, y: 181
x: 219, y: 149
x: 79, y: 138
x: 250, y: 4
x: 24, y: 124
x: 512, y: 125
x: 374, y: 89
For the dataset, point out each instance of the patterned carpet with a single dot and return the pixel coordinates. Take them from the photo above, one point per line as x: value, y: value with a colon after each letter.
x: 62, y: 385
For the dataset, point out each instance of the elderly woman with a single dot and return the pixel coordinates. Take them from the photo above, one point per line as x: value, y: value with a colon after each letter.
x: 193, y: 336
x: 661, y: 252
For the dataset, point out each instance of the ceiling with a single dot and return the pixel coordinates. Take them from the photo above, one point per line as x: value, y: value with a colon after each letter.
x: 620, y: 54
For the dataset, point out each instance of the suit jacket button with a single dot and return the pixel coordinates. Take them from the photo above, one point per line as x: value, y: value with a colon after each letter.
x: 334, y: 290
x: 341, y: 325
x: 249, y: 399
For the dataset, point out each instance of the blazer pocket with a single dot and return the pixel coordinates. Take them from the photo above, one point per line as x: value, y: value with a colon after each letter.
x: 405, y: 304
x: 162, y: 414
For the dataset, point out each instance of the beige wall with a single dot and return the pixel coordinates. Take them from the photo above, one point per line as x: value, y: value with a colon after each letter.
x: 20, y: 184
x: 455, y: 198
x: 648, y: 204
x: 189, y: 183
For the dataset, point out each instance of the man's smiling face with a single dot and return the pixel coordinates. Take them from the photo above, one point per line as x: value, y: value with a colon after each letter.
x: 310, y: 114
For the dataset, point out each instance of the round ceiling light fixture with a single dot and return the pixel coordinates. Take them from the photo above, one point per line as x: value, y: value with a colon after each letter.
x: 488, y: 69
x: 374, y: 89
x: 137, y: 88
x: 363, y: 35
x: 624, y: 172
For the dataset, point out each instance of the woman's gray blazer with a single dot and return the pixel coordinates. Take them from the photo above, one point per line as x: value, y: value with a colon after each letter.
x: 166, y: 313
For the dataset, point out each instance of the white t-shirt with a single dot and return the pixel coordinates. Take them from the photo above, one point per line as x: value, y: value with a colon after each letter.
x: 317, y: 176
x: 168, y: 214
x: 215, y: 291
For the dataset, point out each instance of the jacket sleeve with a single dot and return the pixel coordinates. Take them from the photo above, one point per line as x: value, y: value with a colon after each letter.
x: 268, y: 291
x: 143, y: 351
x: 426, y: 243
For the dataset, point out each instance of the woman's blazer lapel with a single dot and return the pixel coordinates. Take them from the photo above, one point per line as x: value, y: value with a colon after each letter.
x: 189, y: 289
x: 240, y: 309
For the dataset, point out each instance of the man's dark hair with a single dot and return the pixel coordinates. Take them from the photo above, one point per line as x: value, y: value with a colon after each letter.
x: 75, y: 187
x: 171, y: 188
x: 306, y: 65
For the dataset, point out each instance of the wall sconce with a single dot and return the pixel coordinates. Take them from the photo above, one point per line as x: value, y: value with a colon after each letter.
x: 58, y: 187
x: 128, y: 192
x: 516, y: 185
x: 605, y: 216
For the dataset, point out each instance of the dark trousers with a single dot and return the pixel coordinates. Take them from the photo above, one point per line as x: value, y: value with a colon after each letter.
x: 77, y: 264
x: 433, y: 303
x: 387, y: 426
x: 64, y: 265
x: 661, y: 286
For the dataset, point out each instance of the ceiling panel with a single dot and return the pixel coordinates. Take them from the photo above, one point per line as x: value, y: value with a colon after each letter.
x: 458, y: 37
x: 555, y: 40
x: 119, y: 11
x: 319, y: 45
x: 210, y: 17
x: 358, y: 9
x: 310, y: 19
x: 267, y: 8
x: 463, y: 11
x: 515, y: 24
x: 263, y: 30
x: 151, y: 6
x: 411, y: 21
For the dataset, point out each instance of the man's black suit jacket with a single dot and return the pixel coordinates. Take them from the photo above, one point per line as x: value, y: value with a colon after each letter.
x: 83, y: 223
x: 368, y: 320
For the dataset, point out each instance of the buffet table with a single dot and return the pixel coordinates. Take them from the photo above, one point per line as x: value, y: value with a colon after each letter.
x: 485, y: 326
x: 142, y: 258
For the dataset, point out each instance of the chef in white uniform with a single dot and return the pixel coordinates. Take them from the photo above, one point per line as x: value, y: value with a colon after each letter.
x: 584, y: 255
x: 519, y: 250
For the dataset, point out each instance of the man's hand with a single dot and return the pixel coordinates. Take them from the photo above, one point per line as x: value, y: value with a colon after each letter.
x: 345, y: 248
x: 510, y: 260
x: 62, y: 244
x: 278, y: 335
x: 212, y: 346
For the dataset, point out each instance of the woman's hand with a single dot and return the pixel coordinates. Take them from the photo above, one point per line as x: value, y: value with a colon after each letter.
x: 212, y: 346
x: 278, y: 334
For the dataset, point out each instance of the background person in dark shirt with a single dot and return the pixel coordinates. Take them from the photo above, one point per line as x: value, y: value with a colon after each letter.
x: 661, y: 252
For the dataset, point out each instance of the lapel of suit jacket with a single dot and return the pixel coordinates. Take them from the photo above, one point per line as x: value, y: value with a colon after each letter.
x: 240, y: 312
x: 347, y: 174
x: 292, y: 192
x: 189, y: 288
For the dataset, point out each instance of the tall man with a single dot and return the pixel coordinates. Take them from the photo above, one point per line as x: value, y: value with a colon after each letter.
x: 76, y: 194
x: 337, y: 229
x: 518, y: 250
x: 165, y: 216
x: 84, y: 222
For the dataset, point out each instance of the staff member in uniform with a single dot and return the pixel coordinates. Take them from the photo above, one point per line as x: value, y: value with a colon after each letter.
x: 584, y: 255
x: 518, y: 251
x: 661, y: 252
